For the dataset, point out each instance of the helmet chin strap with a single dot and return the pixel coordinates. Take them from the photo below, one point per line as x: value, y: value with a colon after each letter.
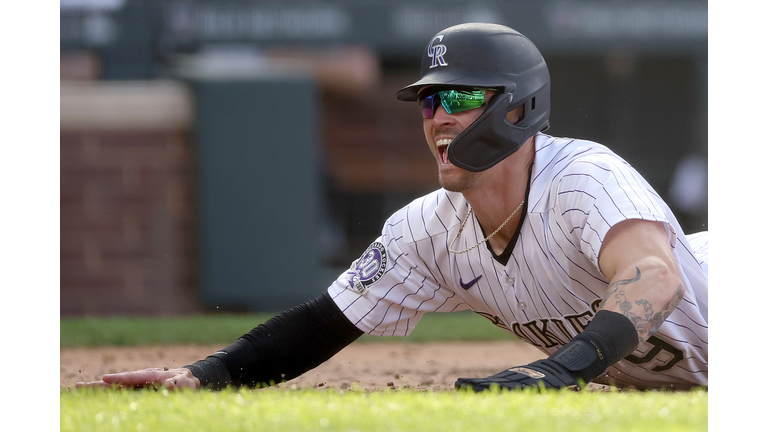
x: 490, y: 138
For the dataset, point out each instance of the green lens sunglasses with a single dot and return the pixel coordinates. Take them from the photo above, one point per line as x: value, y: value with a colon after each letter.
x: 454, y: 101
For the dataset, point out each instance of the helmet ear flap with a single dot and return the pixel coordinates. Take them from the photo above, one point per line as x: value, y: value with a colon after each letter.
x: 490, y: 138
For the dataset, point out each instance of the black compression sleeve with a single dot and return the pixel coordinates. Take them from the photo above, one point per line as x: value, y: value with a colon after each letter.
x: 282, y: 348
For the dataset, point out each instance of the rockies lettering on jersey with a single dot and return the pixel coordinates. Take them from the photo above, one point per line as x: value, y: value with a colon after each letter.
x: 551, y: 286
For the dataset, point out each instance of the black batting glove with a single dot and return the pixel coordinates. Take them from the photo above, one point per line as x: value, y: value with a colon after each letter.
x: 608, y: 338
x: 541, y: 373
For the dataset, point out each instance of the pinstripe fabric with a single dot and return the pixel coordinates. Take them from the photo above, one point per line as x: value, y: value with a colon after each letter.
x: 551, y: 285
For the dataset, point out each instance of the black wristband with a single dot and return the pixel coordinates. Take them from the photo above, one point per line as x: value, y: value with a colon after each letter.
x: 608, y: 338
x: 212, y: 373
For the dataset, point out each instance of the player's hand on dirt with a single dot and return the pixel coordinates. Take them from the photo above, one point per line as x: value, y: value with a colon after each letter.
x: 170, y: 379
x: 544, y: 373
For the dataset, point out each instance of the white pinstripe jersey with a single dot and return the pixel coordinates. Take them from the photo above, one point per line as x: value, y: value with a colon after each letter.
x: 551, y: 285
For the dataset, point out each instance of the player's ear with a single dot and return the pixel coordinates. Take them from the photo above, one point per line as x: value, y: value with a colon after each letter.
x: 515, y: 115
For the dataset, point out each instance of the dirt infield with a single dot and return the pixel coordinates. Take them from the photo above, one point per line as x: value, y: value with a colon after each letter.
x: 371, y: 365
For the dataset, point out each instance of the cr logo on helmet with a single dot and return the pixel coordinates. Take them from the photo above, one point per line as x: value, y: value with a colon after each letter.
x: 436, y: 52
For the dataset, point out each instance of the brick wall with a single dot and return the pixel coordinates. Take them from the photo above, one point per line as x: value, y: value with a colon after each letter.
x: 127, y: 225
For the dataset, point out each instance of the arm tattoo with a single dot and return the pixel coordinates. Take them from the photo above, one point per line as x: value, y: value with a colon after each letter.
x: 644, y: 318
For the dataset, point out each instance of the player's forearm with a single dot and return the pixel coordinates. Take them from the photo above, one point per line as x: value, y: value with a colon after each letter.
x: 646, y: 293
x: 636, y: 303
x: 282, y: 348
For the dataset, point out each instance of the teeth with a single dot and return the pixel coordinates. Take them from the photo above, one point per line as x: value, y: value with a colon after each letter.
x: 443, y: 142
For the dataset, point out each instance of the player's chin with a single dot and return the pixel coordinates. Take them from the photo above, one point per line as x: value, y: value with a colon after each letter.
x: 455, y: 179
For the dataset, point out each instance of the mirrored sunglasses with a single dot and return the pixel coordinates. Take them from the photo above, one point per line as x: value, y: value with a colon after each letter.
x: 454, y: 101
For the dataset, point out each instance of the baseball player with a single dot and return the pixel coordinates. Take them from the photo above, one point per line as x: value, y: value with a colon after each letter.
x: 557, y: 240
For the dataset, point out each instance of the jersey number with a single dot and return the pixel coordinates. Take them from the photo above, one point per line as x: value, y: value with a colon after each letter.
x: 658, y: 346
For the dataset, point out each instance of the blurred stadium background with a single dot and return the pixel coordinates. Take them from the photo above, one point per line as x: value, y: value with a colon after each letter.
x: 236, y: 156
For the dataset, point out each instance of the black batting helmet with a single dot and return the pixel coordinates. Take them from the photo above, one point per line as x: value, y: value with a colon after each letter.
x: 492, y: 56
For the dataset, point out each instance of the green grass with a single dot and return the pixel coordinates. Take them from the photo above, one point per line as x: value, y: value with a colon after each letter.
x: 226, y: 328
x: 284, y: 408
x: 276, y: 409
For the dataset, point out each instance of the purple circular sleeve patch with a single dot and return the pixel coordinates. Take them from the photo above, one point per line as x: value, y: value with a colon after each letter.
x: 368, y: 268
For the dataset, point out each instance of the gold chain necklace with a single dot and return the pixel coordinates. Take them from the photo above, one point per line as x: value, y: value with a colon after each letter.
x: 461, y: 228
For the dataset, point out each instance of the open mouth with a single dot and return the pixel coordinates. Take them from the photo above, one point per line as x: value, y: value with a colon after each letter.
x: 442, y: 149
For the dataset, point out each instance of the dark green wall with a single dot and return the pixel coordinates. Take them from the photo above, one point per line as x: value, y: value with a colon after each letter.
x: 257, y: 179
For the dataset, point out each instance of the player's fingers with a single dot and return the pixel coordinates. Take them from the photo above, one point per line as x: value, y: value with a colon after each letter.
x: 170, y: 384
x: 94, y: 384
x: 139, y: 377
x: 171, y: 379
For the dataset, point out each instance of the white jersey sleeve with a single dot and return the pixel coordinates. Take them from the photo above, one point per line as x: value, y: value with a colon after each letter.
x: 389, y: 288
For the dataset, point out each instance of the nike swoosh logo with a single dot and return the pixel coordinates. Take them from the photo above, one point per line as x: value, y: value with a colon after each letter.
x: 469, y: 284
